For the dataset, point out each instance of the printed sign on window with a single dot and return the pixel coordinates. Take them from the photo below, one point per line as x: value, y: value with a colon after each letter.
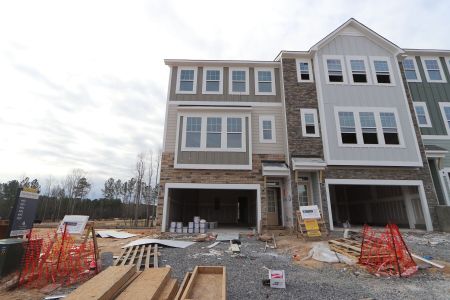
x: 310, y: 212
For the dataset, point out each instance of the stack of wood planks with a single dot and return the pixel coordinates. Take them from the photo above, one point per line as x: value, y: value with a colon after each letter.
x: 351, y: 248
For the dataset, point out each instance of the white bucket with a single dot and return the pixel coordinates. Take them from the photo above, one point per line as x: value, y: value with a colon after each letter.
x: 202, y: 230
x: 190, y: 230
x: 191, y: 224
x: 173, y: 224
x: 185, y: 230
x: 172, y: 229
x: 179, y: 225
x: 203, y: 225
x: 180, y: 230
x: 196, y: 219
x: 196, y: 230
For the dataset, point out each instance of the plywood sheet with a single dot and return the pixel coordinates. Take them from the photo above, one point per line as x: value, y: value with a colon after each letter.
x: 168, y: 243
x: 148, y: 286
x: 104, y: 285
x: 170, y: 289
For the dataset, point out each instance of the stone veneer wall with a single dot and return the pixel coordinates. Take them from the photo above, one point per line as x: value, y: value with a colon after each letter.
x: 254, y: 176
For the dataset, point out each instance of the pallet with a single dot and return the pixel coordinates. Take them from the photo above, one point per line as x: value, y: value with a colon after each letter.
x: 205, y: 283
x: 140, y: 256
x: 351, y: 248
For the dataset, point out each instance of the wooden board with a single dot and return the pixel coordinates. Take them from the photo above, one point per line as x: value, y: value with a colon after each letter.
x: 183, y: 285
x: 149, y: 285
x: 104, y: 285
x: 170, y: 289
x: 206, y: 283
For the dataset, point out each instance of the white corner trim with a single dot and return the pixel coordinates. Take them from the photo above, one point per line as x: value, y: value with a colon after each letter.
x: 272, y: 82
x: 313, y: 111
x: 416, y: 69
x: 366, y: 67
x: 425, y: 109
x: 418, y: 183
x: 194, y: 89
x: 270, y: 118
x: 230, y: 81
x: 176, y: 185
x: 443, y: 105
x: 374, y: 73
x: 220, y: 91
x: 297, y: 63
x: 425, y: 70
x: 343, y: 67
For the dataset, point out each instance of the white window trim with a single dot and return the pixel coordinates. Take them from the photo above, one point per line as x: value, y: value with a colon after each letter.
x: 447, y: 61
x: 442, y: 105
x: 419, y: 78
x: 343, y: 65
x: 313, y: 111
x: 261, y: 133
x: 204, y: 91
x: 194, y: 89
x: 427, y: 116
x: 230, y: 81
x: 374, y: 73
x: 350, y: 72
x: 359, y: 138
x: 203, y: 132
x: 271, y: 70
x: 425, y: 70
x: 308, y: 61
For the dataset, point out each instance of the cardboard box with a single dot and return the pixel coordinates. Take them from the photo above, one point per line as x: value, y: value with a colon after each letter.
x: 277, y: 279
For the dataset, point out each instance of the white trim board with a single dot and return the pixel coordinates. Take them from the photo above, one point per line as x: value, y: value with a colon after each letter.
x: 418, y: 183
x: 212, y: 104
x: 216, y: 186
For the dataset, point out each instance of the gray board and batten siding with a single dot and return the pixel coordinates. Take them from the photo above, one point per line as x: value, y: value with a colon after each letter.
x: 213, y: 157
x: 198, y: 96
x: 432, y: 93
x: 347, y: 95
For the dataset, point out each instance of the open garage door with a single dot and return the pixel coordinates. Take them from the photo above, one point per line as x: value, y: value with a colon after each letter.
x: 377, y: 205
x: 230, y: 208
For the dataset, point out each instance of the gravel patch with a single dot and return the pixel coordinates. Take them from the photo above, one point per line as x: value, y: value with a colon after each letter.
x: 332, y: 281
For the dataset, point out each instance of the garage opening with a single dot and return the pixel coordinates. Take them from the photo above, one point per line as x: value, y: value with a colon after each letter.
x: 376, y: 205
x: 229, y: 208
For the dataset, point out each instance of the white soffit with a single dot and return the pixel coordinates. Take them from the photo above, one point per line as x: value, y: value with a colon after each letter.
x: 308, y: 163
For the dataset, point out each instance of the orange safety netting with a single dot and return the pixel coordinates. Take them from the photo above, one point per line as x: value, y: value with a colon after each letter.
x: 56, y: 258
x: 385, y: 252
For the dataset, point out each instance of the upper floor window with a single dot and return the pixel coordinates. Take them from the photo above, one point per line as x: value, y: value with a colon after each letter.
x: 187, y: 80
x: 433, y: 69
x: 238, y: 81
x: 212, y: 80
x: 445, y: 110
x: 358, y: 70
x: 310, y: 122
x: 369, y: 127
x: 267, y: 129
x: 213, y: 132
x: 411, y: 70
x: 422, y: 114
x: 382, y: 72
x: 193, y: 132
x: 334, y: 69
x: 304, y: 70
x: 264, y: 79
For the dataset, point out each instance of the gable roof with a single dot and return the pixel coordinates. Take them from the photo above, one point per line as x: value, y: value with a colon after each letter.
x: 369, y: 33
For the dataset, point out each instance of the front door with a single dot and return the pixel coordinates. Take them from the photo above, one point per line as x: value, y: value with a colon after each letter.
x: 273, y: 203
x: 304, y: 191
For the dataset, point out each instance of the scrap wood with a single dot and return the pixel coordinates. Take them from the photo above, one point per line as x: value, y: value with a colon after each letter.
x: 168, y: 243
x: 115, y: 234
x: 213, y: 245
x: 148, y: 285
x: 170, y: 290
x: 206, y: 282
x: 183, y: 285
x: 427, y: 261
x: 104, y: 285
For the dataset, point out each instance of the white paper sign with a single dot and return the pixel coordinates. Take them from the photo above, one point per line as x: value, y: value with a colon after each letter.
x: 75, y: 224
x: 310, y: 212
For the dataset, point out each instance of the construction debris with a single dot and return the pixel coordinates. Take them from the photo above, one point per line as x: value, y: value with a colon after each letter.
x: 321, y: 252
x: 168, y: 243
x: 115, y: 234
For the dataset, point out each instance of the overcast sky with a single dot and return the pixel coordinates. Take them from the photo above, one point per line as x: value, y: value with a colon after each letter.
x: 83, y: 83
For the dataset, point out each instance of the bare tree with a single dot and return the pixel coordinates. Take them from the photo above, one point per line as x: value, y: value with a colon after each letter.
x: 48, y: 190
x: 140, y: 173
x: 70, y: 183
x: 81, y: 189
x: 148, y: 190
x: 117, y: 189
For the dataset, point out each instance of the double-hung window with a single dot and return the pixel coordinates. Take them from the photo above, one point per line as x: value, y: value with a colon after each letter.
x: 433, y: 69
x: 334, y: 69
x: 445, y: 110
x: 264, y: 79
x: 193, y: 132
x: 212, y: 80
x: 234, y: 133
x: 422, y: 114
x: 358, y: 70
x: 213, y: 132
x: 411, y: 71
x: 382, y: 71
x: 390, y: 130
x: 368, y: 127
x: 347, y: 127
x: 267, y: 129
x: 238, y: 81
x: 187, y: 80
x: 304, y: 70
x: 310, y: 122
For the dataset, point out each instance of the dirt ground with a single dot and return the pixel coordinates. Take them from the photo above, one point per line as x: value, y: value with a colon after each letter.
x: 288, y: 245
